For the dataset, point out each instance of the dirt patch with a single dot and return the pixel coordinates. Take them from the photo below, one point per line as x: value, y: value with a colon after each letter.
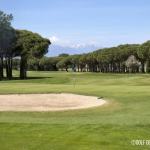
x: 47, y: 102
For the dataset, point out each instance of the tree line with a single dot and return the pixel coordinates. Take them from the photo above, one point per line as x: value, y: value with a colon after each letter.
x: 22, y: 43
x: 121, y: 59
x: 31, y: 47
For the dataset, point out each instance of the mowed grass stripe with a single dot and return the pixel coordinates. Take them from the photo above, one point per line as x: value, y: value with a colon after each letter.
x: 37, y: 136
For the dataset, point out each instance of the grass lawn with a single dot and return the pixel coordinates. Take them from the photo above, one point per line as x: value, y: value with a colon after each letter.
x: 123, y: 118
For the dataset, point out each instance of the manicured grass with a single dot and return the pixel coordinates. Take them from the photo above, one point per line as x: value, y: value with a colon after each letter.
x: 123, y: 118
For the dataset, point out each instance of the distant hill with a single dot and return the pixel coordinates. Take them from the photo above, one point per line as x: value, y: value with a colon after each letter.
x: 55, y: 50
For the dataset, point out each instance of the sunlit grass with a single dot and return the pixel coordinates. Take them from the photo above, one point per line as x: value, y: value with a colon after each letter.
x: 123, y: 118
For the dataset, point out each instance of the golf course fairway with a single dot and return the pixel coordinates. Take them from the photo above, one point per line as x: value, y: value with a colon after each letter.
x: 112, y: 126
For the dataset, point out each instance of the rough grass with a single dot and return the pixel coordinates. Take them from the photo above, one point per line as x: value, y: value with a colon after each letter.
x: 123, y: 118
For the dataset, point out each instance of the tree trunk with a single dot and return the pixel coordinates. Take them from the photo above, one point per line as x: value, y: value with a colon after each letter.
x: 81, y: 68
x: 127, y: 70
x: 87, y: 67
x: 66, y: 69
x: 113, y: 68
x: 108, y: 69
x: 96, y: 68
x: 99, y: 67
x: 9, y: 68
x: 143, y: 71
x: 6, y: 61
x: 148, y: 66
x: 92, y: 67
x: 2, y: 74
x: 119, y: 67
x: 123, y: 68
x: 1, y: 69
x: 137, y: 69
x: 23, y: 67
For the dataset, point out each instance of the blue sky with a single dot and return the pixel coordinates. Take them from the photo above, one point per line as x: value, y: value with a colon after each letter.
x: 105, y: 22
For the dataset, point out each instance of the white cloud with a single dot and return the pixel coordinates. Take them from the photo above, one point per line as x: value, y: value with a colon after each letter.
x: 54, y: 39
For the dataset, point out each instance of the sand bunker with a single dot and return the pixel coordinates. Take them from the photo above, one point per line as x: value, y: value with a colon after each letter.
x: 47, y: 102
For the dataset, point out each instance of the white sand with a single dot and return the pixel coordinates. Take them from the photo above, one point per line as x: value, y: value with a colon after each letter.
x: 47, y: 102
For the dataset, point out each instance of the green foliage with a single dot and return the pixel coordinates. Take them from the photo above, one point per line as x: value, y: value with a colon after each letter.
x: 83, y: 59
x: 63, y: 55
x: 143, y: 52
x: 8, y: 35
x: 33, y: 64
x: 16, y: 63
x: 75, y: 59
x: 5, y: 30
x: 148, y: 66
x: 31, y: 44
x: 49, y: 63
x: 65, y: 62
x: 7, y: 43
